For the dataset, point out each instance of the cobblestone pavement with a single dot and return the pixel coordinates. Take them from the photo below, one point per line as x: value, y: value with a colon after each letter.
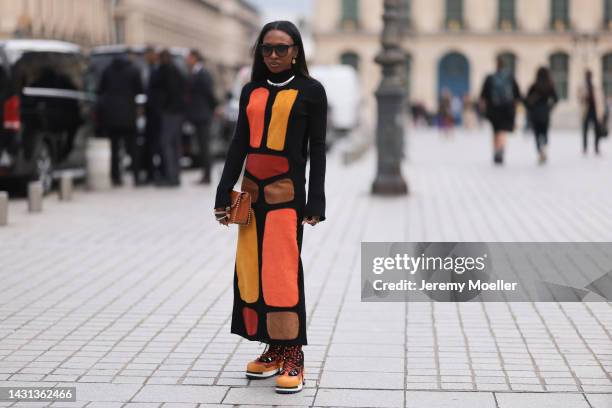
x: 127, y: 293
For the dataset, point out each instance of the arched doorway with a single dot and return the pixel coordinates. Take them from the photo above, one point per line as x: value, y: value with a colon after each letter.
x: 454, y: 76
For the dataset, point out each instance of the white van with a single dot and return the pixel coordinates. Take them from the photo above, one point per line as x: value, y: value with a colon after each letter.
x: 343, y: 95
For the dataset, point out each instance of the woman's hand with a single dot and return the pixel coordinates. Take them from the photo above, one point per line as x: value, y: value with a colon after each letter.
x: 222, y: 215
x: 313, y: 220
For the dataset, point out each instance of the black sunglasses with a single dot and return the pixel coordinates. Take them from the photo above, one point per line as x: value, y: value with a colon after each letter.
x: 280, y: 49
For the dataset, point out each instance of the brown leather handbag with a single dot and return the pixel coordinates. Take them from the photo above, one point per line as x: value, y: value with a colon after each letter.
x: 240, y: 209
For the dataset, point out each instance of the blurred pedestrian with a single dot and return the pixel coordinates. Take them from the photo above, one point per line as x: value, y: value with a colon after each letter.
x: 446, y: 119
x: 539, y: 102
x: 499, y: 96
x: 201, y: 104
x: 457, y: 110
x: 152, y: 148
x: 468, y: 114
x: 419, y: 114
x: 592, y: 103
x: 120, y: 83
x: 172, y: 106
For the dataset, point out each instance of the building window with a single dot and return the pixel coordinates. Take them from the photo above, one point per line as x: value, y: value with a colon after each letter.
x: 608, y: 14
x: 559, y: 68
x: 506, y: 17
x: 454, y: 14
x: 607, y: 74
x: 119, y: 30
x: 350, y: 58
x: 559, y: 15
x: 406, y: 14
x: 508, y: 61
x: 350, y: 14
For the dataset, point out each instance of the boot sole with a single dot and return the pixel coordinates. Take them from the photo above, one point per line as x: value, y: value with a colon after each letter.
x: 260, y: 376
x: 292, y: 390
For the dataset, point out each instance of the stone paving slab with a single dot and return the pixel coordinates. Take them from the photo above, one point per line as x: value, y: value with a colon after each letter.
x: 128, y: 293
x: 541, y: 400
x: 417, y: 399
x: 181, y: 393
x: 359, y: 398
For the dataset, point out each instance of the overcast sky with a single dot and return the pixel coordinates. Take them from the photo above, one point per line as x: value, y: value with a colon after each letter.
x: 282, y: 9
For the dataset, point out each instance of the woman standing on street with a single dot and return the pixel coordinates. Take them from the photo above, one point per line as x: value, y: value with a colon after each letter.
x: 540, y: 100
x: 282, y: 121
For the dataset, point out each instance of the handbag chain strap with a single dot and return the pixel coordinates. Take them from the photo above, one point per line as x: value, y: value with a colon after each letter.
x: 237, y: 204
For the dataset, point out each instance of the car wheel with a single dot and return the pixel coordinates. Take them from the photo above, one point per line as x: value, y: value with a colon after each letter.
x: 43, y: 167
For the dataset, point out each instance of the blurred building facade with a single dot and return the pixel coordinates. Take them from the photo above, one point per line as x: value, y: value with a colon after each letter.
x: 453, y: 44
x: 223, y: 30
x: 86, y: 23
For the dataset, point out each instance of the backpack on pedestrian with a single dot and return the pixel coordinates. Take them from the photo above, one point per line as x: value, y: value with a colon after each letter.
x: 502, y: 89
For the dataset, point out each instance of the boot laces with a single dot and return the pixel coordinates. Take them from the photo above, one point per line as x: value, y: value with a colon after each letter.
x: 293, y: 361
x: 271, y: 353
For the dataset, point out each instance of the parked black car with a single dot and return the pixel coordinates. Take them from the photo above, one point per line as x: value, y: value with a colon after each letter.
x: 101, y: 56
x: 44, y: 111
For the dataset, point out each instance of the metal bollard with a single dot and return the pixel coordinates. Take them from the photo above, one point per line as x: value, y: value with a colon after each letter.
x: 65, y: 192
x: 3, y: 208
x: 35, y: 196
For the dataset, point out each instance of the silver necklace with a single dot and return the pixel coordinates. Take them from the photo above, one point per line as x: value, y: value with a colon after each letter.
x: 281, y: 83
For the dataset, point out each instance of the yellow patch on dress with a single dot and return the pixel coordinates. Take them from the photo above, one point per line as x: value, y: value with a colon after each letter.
x: 277, y: 130
x: 247, y: 261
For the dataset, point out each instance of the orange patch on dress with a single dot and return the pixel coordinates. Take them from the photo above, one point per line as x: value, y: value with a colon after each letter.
x: 264, y: 166
x: 247, y: 261
x: 250, y: 187
x: 277, y: 130
x: 249, y: 317
x: 280, y: 191
x: 282, y: 325
x: 280, y: 257
x: 256, y: 113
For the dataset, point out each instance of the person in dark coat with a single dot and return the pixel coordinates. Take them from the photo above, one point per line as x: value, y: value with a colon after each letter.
x: 498, y: 98
x: 152, y: 147
x: 119, y: 85
x: 201, y: 103
x: 540, y: 100
x: 172, y: 104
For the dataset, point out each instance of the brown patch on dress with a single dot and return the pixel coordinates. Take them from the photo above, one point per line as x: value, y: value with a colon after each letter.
x: 280, y: 191
x: 250, y: 187
x: 282, y: 325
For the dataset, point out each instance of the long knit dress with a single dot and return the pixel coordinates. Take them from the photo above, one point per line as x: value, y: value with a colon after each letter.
x: 278, y: 128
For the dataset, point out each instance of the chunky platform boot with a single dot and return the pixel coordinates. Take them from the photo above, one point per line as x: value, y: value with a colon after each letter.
x: 266, y: 365
x: 290, y: 379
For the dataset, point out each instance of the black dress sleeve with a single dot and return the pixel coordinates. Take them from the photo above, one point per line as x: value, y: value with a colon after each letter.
x: 235, y: 155
x: 316, y: 131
